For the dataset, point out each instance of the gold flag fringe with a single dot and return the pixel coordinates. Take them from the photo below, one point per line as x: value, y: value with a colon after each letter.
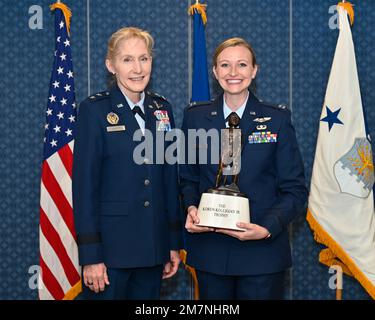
x: 349, y: 9
x: 201, y: 9
x: 66, y: 11
x: 74, y: 291
x: 183, y: 255
x: 335, y: 255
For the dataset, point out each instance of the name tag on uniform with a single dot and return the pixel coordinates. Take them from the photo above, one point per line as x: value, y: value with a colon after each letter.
x: 115, y: 128
x: 262, y: 137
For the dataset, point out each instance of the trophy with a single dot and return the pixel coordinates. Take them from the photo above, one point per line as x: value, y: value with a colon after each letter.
x: 224, y: 205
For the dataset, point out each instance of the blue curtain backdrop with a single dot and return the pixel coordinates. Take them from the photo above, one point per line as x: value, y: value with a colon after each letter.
x: 294, y: 77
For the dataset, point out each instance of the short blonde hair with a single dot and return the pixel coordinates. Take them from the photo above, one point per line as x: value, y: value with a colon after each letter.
x: 125, y: 34
x: 233, y: 42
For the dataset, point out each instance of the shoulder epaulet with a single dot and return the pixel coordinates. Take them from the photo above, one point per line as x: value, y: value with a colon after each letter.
x: 98, y: 96
x: 194, y: 104
x: 281, y: 107
x: 156, y: 95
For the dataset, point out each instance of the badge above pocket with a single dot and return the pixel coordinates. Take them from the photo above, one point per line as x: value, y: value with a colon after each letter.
x: 113, y: 119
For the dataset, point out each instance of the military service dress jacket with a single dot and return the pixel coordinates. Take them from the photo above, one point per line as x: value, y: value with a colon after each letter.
x: 272, y: 177
x: 126, y: 214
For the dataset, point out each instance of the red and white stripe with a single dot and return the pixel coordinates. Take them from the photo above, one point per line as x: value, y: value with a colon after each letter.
x: 60, y: 271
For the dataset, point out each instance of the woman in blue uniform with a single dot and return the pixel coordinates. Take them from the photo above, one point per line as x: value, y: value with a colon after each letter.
x: 246, y: 264
x: 126, y: 206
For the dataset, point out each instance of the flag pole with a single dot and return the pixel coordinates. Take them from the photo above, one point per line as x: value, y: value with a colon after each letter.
x: 339, y: 280
x: 200, y: 90
x: 339, y: 287
x: 60, y: 272
x: 343, y: 76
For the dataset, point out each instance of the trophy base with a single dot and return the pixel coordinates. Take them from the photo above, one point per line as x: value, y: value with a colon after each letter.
x: 219, y: 210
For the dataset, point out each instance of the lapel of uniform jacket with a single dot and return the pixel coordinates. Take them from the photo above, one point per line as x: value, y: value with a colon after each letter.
x: 121, y: 107
x: 252, y: 111
x: 215, y: 117
x: 150, y: 107
x: 216, y: 114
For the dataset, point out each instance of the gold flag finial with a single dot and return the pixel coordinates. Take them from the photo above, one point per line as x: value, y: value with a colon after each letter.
x: 346, y: 5
x: 66, y: 11
x: 200, y: 8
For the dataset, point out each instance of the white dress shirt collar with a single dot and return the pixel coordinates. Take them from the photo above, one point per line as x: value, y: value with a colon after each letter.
x: 139, y: 103
x: 227, y: 111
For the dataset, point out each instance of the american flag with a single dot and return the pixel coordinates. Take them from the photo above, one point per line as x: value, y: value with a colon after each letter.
x: 59, y: 276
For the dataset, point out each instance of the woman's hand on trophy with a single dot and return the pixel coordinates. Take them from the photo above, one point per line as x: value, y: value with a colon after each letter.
x: 192, y: 220
x: 252, y: 232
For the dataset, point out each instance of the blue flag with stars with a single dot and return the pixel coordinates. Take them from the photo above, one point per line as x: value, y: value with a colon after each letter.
x: 61, y: 107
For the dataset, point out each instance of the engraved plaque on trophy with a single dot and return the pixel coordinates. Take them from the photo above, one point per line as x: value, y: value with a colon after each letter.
x: 224, y: 205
